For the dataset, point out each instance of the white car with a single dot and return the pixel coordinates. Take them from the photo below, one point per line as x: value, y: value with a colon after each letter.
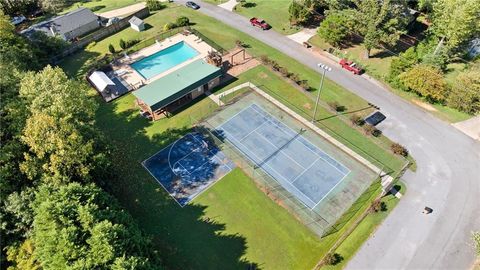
x: 18, y: 20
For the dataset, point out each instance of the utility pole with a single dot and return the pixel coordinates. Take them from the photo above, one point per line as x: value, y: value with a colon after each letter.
x: 324, y: 68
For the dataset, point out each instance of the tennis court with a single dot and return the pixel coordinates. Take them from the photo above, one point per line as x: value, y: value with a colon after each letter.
x: 299, y: 166
x: 188, y: 166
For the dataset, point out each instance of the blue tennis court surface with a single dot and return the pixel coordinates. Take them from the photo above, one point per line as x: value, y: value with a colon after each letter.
x: 188, y: 166
x: 299, y: 166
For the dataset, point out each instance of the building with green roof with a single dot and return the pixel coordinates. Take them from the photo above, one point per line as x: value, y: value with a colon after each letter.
x: 173, y: 90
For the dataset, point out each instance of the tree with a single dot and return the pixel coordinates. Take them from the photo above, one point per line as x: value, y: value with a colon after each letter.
x: 63, y: 145
x: 82, y: 227
x: 455, y: 23
x: 22, y: 258
x: 182, y: 21
x: 336, y: 26
x: 53, y: 6
x: 465, y: 93
x: 427, y: 81
x: 153, y: 5
x: 476, y: 242
x: 380, y: 22
x: 15, y: 49
x: 299, y: 13
x: 111, y: 49
x: 122, y: 44
x: 14, y: 7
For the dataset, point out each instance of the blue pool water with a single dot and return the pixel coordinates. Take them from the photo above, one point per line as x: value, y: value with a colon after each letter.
x: 163, y: 60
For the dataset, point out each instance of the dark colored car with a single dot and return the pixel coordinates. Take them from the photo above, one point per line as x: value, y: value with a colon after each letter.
x: 192, y: 5
x: 375, y: 118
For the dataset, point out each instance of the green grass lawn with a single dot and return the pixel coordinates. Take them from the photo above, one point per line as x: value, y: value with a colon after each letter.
x: 378, y: 66
x: 98, y: 6
x: 242, y: 221
x: 362, y: 232
x: 274, y: 13
x: 215, y: 2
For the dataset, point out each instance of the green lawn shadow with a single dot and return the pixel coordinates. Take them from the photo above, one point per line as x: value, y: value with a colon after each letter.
x: 182, y: 236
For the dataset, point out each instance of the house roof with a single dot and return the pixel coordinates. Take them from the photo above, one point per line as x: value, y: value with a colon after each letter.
x: 100, y: 80
x: 64, y: 23
x: 135, y: 21
x: 177, y: 84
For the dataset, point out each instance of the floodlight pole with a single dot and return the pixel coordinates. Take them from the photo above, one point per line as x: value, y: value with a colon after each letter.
x: 325, y: 68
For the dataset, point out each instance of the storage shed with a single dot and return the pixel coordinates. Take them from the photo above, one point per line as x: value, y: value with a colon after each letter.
x: 137, y: 24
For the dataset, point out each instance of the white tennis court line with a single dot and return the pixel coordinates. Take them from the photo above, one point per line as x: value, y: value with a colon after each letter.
x: 306, y: 169
x: 269, y: 119
x: 233, y: 138
x: 341, y: 180
x: 282, y: 129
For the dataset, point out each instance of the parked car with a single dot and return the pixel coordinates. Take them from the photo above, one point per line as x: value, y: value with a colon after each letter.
x: 259, y: 23
x: 351, y: 66
x: 192, y: 5
x: 375, y: 118
x: 18, y: 20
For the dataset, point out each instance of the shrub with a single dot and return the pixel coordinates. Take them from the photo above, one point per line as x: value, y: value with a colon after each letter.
x: 169, y: 26
x: 284, y: 71
x: 399, y: 149
x: 376, y: 206
x: 304, y: 84
x: 111, y: 49
x: 332, y: 259
x: 264, y: 59
x: 182, y: 21
x: 334, y: 105
x: 371, y: 130
x: 356, y: 120
x: 122, y: 44
x: 154, y: 5
x: 275, y: 65
x: 295, y: 77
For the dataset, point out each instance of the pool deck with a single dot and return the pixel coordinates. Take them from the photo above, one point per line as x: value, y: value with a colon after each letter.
x: 133, y: 78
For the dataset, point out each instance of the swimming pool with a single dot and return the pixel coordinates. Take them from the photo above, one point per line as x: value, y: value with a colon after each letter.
x: 163, y: 60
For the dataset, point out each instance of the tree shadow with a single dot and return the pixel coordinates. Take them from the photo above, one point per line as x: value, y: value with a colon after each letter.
x: 97, y: 8
x: 249, y: 5
x: 182, y: 237
x: 147, y: 26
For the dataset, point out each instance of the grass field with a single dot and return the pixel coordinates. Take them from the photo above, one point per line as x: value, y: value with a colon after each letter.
x: 365, y: 228
x: 216, y: 231
x: 378, y: 66
x: 274, y: 13
x: 102, y: 5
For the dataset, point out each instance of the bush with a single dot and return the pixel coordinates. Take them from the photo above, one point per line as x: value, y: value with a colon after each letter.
x: 332, y: 259
x: 399, y: 149
x: 335, y: 106
x: 122, y: 44
x: 377, y: 206
x: 169, y: 26
x: 182, y: 21
x: 304, y: 84
x: 356, y: 120
x: 154, y: 5
x: 371, y: 130
x: 296, y: 78
x: 284, y: 71
x: 265, y: 60
x: 111, y: 49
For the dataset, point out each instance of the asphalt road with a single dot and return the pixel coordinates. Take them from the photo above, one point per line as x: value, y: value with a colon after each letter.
x: 447, y: 179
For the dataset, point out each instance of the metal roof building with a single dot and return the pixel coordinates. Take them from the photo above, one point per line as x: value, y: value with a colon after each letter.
x: 175, y: 89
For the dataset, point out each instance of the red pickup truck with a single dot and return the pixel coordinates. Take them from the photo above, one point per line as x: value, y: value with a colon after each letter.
x: 259, y: 23
x: 351, y: 66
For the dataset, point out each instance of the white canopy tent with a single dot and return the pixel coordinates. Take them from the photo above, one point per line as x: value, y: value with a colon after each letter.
x: 100, y: 80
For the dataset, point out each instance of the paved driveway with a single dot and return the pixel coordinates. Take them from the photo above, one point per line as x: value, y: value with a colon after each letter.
x: 447, y: 180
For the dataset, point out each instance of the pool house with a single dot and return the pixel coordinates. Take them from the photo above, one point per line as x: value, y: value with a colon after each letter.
x: 163, y: 96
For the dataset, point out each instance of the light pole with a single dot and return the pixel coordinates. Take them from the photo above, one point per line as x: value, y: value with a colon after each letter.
x: 325, y: 68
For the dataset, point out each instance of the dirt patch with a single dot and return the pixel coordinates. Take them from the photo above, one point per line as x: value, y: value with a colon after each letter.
x: 262, y: 75
x: 307, y: 106
x: 239, y: 61
x: 424, y: 105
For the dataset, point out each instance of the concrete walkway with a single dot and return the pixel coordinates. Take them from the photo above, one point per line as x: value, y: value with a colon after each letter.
x: 122, y: 12
x: 471, y: 127
x: 304, y: 35
x: 229, y: 5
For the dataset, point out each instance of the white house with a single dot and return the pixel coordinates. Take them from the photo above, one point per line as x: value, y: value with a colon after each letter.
x: 137, y: 24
